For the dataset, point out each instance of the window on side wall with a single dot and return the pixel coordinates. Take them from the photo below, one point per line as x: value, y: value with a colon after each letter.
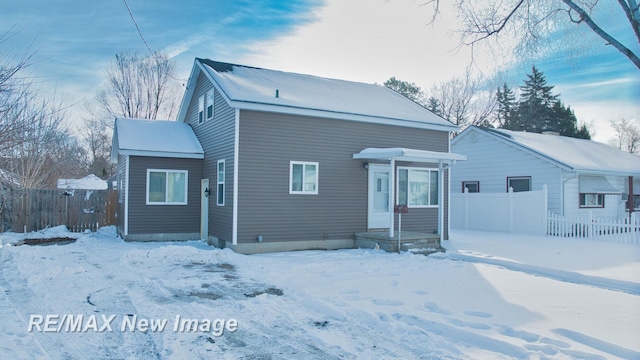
x: 209, y: 104
x: 167, y: 187
x: 471, y: 186
x: 303, y: 177
x: 221, y: 182
x: 519, y: 183
x: 417, y: 187
x: 591, y: 200
x: 201, y: 109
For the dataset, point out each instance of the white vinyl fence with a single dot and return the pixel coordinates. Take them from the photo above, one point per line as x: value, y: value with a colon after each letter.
x: 625, y: 230
x: 522, y: 212
x: 526, y: 212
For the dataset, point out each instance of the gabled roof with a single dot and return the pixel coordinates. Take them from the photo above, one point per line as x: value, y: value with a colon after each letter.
x: 251, y: 88
x: 570, y: 153
x: 158, y: 138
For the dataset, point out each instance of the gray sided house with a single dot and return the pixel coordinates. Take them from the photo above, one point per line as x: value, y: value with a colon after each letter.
x: 582, y: 176
x: 295, y: 161
x: 159, y: 167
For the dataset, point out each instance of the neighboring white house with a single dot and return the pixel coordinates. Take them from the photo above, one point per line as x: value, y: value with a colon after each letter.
x: 89, y: 182
x: 582, y: 176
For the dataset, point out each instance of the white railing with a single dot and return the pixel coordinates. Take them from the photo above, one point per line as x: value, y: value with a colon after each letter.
x: 625, y: 230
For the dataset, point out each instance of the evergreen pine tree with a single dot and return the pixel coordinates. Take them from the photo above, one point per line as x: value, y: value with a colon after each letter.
x: 506, y: 113
x: 433, y: 105
x: 536, y: 101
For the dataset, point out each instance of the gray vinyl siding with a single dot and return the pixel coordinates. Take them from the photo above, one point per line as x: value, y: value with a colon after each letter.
x: 122, y: 183
x: 158, y: 219
x: 217, y: 139
x: 269, y: 141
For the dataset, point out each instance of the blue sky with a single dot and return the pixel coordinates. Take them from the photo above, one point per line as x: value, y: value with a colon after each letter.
x: 360, y: 40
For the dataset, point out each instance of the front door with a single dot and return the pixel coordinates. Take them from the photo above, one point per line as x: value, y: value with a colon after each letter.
x: 204, y: 208
x: 378, y: 214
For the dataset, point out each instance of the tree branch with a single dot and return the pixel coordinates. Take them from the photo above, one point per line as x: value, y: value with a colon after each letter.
x: 603, y: 34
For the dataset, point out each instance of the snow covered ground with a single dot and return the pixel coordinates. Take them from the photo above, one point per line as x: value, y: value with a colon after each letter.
x: 491, y: 296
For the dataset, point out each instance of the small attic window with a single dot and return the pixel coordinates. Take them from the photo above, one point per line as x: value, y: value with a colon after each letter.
x: 201, y: 109
x: 209, y: 103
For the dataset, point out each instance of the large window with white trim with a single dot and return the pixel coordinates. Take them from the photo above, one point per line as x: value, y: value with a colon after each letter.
x: 417, y: 187
x: 167, y: 187
x: 303, y: 177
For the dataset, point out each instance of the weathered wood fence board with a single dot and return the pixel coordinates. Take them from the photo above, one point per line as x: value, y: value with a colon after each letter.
x: 33, y: 210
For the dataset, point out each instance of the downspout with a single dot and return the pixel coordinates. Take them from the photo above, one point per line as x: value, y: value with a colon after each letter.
x: 562, y: 185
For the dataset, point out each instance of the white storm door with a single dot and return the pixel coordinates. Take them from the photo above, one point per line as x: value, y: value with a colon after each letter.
x: 379, y: 187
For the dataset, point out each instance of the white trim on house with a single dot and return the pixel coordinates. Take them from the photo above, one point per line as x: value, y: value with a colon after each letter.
x: 302, y: 190
x: 161, y: 154
x: 429, y: 170
x: 236, y: 160
x: 166, y: 189
x: 221, y: 182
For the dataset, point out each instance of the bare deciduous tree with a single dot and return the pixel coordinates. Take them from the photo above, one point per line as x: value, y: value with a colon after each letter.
x: 532, y: 23
x: 96, y: 136
x: 140, y: 88
x: 627, y: 135
x: 34, y: 145
x: 463, y: 101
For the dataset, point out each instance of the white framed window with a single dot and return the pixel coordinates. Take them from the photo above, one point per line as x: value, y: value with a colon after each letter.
x: 417, y: 187
x: 221, y: 182
x: 303, y: 177
x: 167, y: 187
x: 591, y: 200
x: 471, y: 186
x: 201, y: 109
x: 209, y: 104
x: 519, y: 183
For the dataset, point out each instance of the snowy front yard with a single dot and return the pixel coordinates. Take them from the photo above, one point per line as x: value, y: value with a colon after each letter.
x: 490, y: 296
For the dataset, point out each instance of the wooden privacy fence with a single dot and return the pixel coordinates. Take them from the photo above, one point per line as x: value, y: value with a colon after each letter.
x: 625, y: 230
x: 33, y: 210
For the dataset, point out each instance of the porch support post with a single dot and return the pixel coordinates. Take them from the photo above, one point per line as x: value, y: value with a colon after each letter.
x: 392, y: 190
x: 441, y: 201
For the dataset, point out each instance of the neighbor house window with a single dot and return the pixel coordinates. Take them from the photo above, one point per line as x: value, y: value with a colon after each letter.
x: 417, y: 187
x: 221, y: 182
x: 471, y: 186
x: 201, y: 109
x: 636, y: 202
x: 167, y: 187
x: 519, y: 183
x: 303, y: 177
x: 209, y: 104
x: 591, y: 200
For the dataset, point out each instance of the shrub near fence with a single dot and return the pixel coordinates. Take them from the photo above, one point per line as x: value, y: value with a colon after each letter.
x: 626, y: 230
x: 33, y: 210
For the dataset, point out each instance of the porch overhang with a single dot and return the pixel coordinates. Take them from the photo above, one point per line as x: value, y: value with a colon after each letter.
x: 443, y: 159
x: 411, y: 155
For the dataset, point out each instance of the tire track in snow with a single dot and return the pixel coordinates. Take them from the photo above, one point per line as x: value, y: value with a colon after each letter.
x: 628, y: 287
x: 56, y: 345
